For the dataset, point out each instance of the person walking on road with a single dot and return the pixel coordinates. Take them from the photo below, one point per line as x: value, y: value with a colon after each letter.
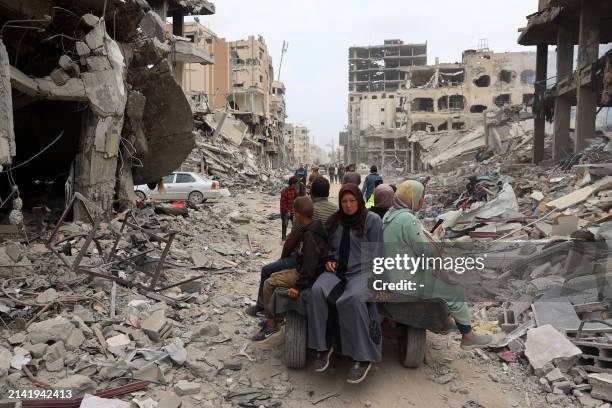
x: 288, y: 196
x: 370, y: 182
x: 331, y: 172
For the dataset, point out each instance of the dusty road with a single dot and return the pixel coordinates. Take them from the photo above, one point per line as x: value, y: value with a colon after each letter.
x: 449, y: 378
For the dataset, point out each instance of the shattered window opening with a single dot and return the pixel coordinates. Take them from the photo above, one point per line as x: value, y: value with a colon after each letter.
x: 422, y: 126
x: 528, y: 99
x: 482, y: 81
x: 502, y: 99
x: 451, y: 103
x: 422, y: 105
x: 478, y: 108
x: 528, y: 77
x: 507, y: 76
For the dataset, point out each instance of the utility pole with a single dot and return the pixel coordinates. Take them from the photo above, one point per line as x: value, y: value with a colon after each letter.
x: 285, y: 48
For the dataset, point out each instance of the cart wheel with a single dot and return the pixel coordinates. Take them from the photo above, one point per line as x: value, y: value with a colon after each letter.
x: 296, y: 332
x: 412, y: 343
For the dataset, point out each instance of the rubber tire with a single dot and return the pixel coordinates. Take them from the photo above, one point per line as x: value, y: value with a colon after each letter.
x: 296, y: 337
x: 412, y: 343
x: 142, y: 196
x: 190, y: 197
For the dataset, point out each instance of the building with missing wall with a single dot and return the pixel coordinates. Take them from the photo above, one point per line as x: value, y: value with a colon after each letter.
x: 392, y: 92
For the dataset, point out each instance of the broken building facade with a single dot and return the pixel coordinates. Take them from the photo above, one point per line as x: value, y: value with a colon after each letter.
x: 240, y: 81
x: 392, y: 93
x: 583, y: 80
x: 298, y: 137
x: 97, y: 78
x: 206, y: 85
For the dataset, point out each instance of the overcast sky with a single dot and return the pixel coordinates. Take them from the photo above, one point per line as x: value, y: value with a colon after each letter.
x: 315, y: 68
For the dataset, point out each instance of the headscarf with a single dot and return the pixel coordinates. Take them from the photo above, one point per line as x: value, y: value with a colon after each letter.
x: 355, y: 221
x: 383, y: 196
x: 408, y: 195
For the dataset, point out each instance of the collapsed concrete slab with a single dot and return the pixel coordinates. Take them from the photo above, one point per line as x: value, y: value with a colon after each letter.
x: 168, y: 126
x: 545, y: 346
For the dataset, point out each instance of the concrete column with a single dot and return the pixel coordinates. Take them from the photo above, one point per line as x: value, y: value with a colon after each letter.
x: 565, y: 66
x: 587, y: 54
x: 178, y: 22
x: 540, y: 88
x: 7, y: 128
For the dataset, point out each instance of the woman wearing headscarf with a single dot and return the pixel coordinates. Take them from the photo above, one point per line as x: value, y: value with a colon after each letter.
x: 340, y: 291
x: 402, y: 226
x: 383, y: 199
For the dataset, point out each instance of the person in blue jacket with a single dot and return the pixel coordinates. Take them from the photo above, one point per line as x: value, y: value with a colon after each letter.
x: 370, y: 182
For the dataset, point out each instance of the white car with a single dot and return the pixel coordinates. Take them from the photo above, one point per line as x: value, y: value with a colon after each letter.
x: 183, y: 186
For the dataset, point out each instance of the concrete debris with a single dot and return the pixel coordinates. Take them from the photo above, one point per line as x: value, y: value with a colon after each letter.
x: 5, y: 361
x: 545, y: 346
x: 118, y: 344
x: 169, y: 400
x: 184, y: 387
x: 176, y: 351
x: 58, y: 328
x: 148, y: 403
x: 54, y: 356
x: 91, y: 401
x: 602, y: 386
x: 156, y: 325
x: 79, y: 384
x: 48, y: 296
x: 17, y: 339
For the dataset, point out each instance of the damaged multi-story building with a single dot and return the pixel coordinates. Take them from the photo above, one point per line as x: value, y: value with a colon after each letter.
x: 583, y: 80
x: 392, y: 93
x: 89, y: 100
x: 298, y: 137
x: 239, y: 83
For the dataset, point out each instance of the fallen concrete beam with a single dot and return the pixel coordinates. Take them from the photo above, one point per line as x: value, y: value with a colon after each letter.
x: 72, y: 90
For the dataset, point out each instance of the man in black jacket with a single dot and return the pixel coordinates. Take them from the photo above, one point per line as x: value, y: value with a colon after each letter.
x: 309, y: 263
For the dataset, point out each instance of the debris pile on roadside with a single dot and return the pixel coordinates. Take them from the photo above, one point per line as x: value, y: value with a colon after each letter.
x: 131, y: 306
x: 226, y: 151
x: 545, y: 292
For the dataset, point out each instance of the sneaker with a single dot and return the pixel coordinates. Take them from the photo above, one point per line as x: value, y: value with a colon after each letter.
x: 478, y: 341
x: 322, y: 361
x: 358, y: 372
x: 265, y: 332
x: 254, y: 311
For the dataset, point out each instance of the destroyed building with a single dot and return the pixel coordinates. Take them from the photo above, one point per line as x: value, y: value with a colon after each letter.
x: 97, y: 76
x: 206, y: 85
x: 392, y: 92
x: 318, y: 155
x: 239, y: 83
x: 298, y: 137
x: 583, y: 80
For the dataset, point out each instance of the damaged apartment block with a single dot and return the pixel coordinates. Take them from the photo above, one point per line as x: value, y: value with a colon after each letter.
x: 393, y: 93
x: 89, y: 100
x: 237, y: 97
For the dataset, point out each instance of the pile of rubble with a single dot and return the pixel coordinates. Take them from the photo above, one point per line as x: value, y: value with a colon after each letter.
x: 547, y: 233
x: 88, y: 311
x: 225, y: 150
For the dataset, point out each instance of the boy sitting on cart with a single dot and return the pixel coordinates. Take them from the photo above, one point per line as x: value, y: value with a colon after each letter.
x: 313, y: 247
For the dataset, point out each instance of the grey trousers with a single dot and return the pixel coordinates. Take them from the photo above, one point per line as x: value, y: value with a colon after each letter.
x: 354, y: 314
